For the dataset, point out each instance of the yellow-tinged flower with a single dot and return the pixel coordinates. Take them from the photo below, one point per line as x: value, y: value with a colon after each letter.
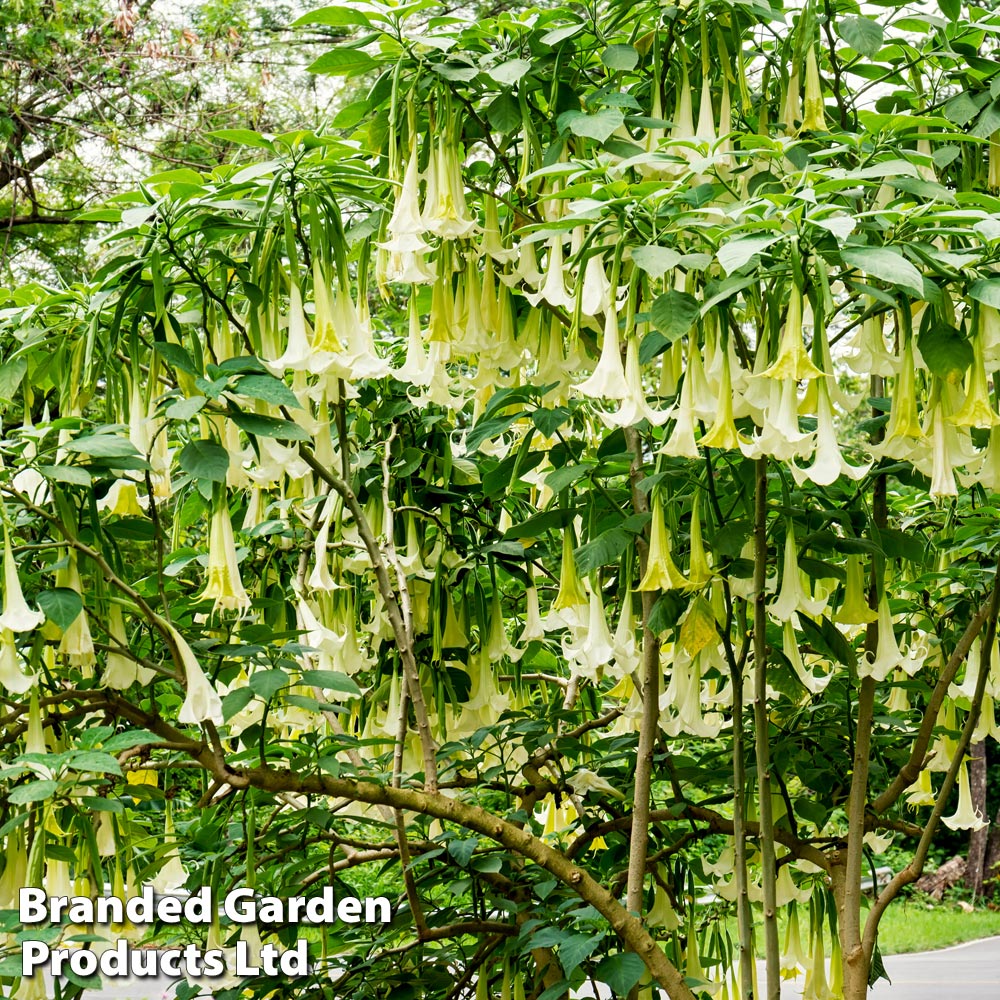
x: 921, y: 792
x: 556, y: 818
x: 903, y: 419
x: 977, y: 410
x: 662, y: 913
x: 854, y: 610
x: 324, y: 319
x: 723, y: 433
x: 446, y: 212
x: 792, y: 361
x: 224, y: 585
x: 661, y: 570
x: 813, y: 112
x: 793, y: 957
x: 571, y: 593
x: 699, y: 572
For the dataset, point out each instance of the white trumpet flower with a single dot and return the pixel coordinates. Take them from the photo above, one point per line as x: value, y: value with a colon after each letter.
x: 608, y: 378
x: 12, y: 675
x: 792, y: 597
x: 17, y: 616
x: 966, y: 816
x: 201, y: 703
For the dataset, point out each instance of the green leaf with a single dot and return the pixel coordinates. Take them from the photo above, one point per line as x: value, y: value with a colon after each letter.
x: 862, y: 34
x: 674, y: 313
x: 94, y: 760
x: 272, y: 427
x: 34, y: 791
x: 620, y: 972
x: 343, y: 62
x: 185, y: 408
x: 341, y: 16
x: 456, y: 72
x: 988, y: 121
x: 557, y: 35
x: 330, y: 680
x: 558, y: 479
x: 738, y: 253
x: 125, y: 741
x: 827, y: 639
x: 61, y: 605
x: 620, y: 57
x: 887, y: 264
x: 268, y: 683
x: 236, y: 701
x: 176, y: 356
x: 986, y: 291
x: 655, y: 260
x: 243, y: 137
x: 462, y: 850
x: 204, y: 459
x: 72, y: 474
x: 607, y: 548
x: 103, y: 446
x: 575, y: 949
x: 945, y: 351
x: 269, y: 389
x: 504, y: 113
x: 11, y: 375
x: 509, y: 72
x: 599, y: 125
x: 961, y: 109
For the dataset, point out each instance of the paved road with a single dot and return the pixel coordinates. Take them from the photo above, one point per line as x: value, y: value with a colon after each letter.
x: 965, y: 972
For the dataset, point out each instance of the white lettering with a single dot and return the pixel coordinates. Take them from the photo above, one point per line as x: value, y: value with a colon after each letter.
x: 31, y: 906
x: 33, y: 954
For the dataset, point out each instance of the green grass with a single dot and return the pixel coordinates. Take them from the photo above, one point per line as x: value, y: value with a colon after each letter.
x: 909, y: 925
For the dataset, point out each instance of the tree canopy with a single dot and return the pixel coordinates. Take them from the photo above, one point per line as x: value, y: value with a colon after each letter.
x: 560, y: 494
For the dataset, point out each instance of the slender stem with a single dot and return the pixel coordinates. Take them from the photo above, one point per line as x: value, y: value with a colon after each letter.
x: 639, y: 837
x: 393, y: 610
x: 857, y: 799
x: 405, y: 858
x: 763, y: 754
x: 744, y: 922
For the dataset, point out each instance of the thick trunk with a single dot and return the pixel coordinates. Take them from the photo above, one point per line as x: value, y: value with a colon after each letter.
x: 990, y: 869
x: 855, y: 976
x: 978, y: 839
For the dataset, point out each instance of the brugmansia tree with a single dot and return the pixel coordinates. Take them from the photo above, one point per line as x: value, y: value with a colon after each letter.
x: 561, y: 496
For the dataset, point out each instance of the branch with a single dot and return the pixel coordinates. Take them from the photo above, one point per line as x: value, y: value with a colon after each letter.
x: 910, y: 771
x: 915, y: 868
x: 439, y: 806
